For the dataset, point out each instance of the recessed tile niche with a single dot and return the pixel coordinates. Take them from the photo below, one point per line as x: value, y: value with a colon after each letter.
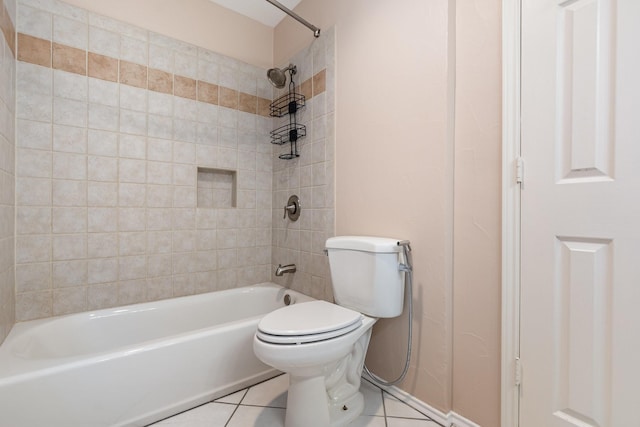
x: 216, y: 188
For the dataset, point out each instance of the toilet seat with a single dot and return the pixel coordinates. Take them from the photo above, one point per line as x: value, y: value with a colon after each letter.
x: 307, y: 322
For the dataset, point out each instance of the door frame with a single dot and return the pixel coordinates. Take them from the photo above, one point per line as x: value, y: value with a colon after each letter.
x: 511, y: 192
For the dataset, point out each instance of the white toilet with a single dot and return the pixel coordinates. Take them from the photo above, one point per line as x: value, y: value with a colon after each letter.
x: 322, y: 346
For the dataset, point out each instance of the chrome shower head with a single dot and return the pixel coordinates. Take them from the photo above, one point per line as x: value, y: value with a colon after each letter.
x: 278, y: 76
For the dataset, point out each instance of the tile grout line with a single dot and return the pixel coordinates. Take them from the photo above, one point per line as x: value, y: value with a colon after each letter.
x: 384, y: 408
x: 246, y: 390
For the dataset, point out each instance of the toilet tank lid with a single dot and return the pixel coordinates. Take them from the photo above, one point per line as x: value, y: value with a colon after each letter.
x: 364, y: 243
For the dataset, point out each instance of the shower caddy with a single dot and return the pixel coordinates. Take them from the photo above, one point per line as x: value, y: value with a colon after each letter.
x: 288, y: 104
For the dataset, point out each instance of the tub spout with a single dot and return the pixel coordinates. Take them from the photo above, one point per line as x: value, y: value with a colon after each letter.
x: 290, y: 268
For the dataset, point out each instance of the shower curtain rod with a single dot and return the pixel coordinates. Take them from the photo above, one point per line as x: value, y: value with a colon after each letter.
x: 316, y: 30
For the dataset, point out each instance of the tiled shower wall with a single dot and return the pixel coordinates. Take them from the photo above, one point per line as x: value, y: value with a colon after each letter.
x: 7, y: 165
x: 310, y: 176
x: 113, y: 122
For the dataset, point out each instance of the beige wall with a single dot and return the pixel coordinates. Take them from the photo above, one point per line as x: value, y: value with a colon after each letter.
x: 403, y: 164
x: 477, y: 291
x: 199, y: 22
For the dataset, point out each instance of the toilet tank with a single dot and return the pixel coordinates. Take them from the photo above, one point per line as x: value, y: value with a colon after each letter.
x: 365, y: 274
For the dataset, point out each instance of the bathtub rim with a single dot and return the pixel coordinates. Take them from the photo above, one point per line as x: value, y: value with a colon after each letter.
x: 15, y: 369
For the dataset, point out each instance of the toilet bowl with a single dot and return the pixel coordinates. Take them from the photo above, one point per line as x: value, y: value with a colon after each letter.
x: 321, y: 345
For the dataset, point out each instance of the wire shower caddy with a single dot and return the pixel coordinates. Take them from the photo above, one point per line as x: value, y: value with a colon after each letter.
x: 288, y: 104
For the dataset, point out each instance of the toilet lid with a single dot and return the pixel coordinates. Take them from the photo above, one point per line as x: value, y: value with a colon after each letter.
x: 307, y: 322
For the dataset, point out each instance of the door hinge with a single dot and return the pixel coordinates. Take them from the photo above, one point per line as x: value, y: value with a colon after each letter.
x: 518, y: 372
x: 519, y: 170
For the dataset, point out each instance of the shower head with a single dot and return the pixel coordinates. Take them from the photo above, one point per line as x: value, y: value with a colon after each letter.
x: 278, y: 76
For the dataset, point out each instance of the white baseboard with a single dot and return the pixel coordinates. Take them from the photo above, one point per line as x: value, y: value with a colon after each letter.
x: 450, y: 419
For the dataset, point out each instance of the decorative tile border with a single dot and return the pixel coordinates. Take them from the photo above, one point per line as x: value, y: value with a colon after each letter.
x: 8, y: 28
x: 49, y: 54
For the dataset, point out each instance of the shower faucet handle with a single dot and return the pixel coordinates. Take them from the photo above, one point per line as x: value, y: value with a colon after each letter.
x: 289, y: 209
x: 292, y: 208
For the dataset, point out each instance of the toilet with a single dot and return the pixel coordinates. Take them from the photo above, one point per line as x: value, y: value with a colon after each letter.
x: 322, y: 346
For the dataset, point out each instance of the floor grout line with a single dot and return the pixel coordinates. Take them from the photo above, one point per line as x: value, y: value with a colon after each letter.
x: 382, y: 395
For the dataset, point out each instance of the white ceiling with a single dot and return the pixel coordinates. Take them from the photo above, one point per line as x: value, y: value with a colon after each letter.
x: 259, y: 10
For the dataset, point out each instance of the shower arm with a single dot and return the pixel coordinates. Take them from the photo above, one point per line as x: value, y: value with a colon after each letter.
x: 316, y: 30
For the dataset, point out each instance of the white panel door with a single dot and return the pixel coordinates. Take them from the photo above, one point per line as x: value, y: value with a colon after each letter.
x: 580, y: 277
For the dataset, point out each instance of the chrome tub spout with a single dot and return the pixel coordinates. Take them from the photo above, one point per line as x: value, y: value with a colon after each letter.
x: 289, y: 268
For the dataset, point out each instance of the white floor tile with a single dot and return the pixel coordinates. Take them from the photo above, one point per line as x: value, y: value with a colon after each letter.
x: 372, y: 399
x: 272, y: 393
x: 407, y: 422
x: 255, y: 416
x: 209, y: 415
x: 233, y: 398
x: 367, y: 421
x: 395, y: 408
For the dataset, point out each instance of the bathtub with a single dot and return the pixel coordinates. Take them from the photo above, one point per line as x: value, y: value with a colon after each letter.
x: 133, y: 365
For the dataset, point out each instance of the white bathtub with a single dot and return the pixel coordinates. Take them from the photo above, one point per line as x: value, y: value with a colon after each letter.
x: 133, y: 365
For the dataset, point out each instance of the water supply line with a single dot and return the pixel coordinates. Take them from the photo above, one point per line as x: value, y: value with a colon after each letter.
x: 316, y: 30
x: 407, y: 268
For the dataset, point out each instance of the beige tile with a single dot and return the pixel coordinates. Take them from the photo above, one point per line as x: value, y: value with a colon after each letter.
x: 69, y: 246
x: 33, y: 277
x: 69, y: 59
x: 69, y: 300
x: 34, y: 50
x: 34, y: 305
x: 69, y: 220
x: 184, y: 87
x: 8, y: 29
x: 131, y: 219
x: 159, y: 288
x: 132, y: 170
x: 306, y: 88
x: 160, y: 81
x: 102, y: 168
x: 33, y: 191
x: 263, y: 107
x: 132, y: 194
x: 102, y: 193
x: 133, y: 74
x: 132, y: 243
x: 33, y: 248
x: 69, y: 193
x: 102, y: 245
x: 102, y: 220
x: 33, y: 220
x: 103, y: 270
x: 132, y: 267
x: 228, y: 98
x: 207, y: 92
x: 132, y: 291
x: 159, y: 265
x: 247, y: 103
x: 103, y: 67
x: 102, y: 296
x: 69, y: 166
x: 319, y: 82
x: 69, y: 274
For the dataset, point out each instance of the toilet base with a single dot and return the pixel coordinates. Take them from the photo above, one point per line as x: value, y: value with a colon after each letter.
x: 331, y: 396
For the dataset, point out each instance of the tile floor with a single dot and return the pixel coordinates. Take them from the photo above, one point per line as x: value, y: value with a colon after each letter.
x: 263, y: 405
